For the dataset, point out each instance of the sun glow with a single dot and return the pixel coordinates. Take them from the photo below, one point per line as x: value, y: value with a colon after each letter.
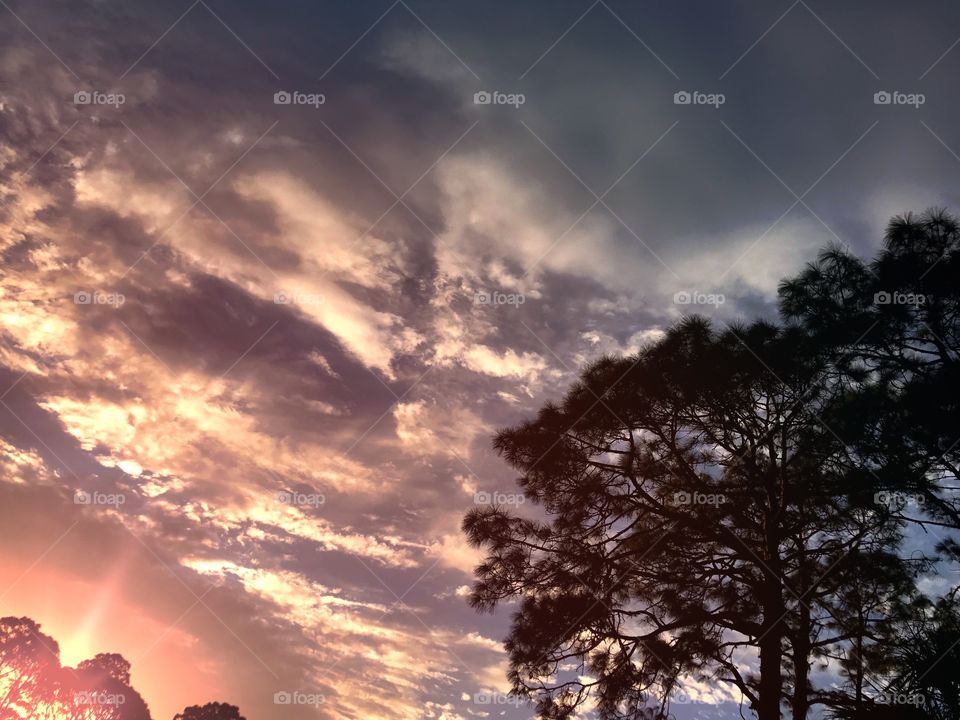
x: 87, y: 617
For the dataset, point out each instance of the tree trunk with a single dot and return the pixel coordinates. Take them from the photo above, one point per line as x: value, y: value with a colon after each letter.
x: 770, y: 691
x: 802, y: 645
x: 801, y: 666
x: 771, y: 656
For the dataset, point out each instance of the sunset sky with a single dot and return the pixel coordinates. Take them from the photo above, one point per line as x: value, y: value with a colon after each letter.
x: 270, y: 342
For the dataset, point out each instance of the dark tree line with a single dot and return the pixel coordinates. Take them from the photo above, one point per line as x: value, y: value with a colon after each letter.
x: 34, y: 685
x: 737, y: 497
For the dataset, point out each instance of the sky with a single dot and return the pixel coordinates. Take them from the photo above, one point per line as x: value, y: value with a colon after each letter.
x: 271, y: 275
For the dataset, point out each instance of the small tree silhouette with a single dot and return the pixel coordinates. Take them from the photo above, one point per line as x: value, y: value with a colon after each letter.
x: 210, y: 711
x: 34, y: 685
x: 29, y: 661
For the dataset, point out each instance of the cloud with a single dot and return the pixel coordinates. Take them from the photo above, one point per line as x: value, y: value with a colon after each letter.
x: 430, y: 428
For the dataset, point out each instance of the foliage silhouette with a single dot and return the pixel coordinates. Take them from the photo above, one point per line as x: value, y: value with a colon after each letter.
x: 810, y: 432
x: 210, y: 711
x: 34, y: 685
x: 895, y: 325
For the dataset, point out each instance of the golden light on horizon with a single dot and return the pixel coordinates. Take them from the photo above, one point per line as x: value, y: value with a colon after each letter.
x: 169, y: 665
